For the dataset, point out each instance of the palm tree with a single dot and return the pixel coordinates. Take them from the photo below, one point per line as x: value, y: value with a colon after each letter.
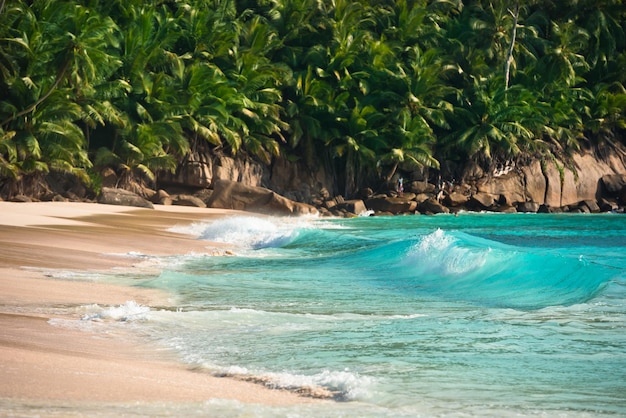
x: 40, y: 110
x: 9, y: 167
x: 409, y: 144
x: 258, y: 80
x: 563, y: 60
x: 493, y: 122
x: 148, y: 134
x: 607, y: 111
x: 359, y: 144
x: 203, y: 106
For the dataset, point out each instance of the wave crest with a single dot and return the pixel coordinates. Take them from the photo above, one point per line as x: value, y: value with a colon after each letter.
x: 460, y: 266
x: 245, y: 232
x: 442, y: 253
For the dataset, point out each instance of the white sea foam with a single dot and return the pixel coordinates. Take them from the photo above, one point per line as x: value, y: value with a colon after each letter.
x: 130, y: 311
x: 441, y: 253
x: 78, y: 275
x: 246, y: 231
x: 340, y: 316
x: 343, y: 384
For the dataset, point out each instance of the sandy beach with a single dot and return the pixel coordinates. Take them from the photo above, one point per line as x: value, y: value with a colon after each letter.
x: 46, y: 363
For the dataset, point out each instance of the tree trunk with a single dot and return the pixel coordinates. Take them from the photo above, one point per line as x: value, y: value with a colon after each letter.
x: 509, y: 58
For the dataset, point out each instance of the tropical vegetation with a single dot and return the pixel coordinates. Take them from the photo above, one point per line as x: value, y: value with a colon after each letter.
x: 359, y: 86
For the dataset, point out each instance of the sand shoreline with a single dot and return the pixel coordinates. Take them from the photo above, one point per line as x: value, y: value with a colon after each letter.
x: 41, y: 362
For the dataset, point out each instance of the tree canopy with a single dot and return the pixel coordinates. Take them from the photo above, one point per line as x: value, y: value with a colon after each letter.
x: 362, y: 86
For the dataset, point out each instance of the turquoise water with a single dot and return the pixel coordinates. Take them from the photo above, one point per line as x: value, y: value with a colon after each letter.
x: 469, y: 315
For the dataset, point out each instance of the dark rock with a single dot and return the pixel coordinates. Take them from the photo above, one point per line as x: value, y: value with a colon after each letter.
x: 456, y: 199
x: 393, y: 205
x: 354, y: 206
x: 21, y: 199
x: 483, y: 200
x: 592, y: 205
x: 114, y: 196
x: 204, y: 194
x: 160, y: 197
x: 188, y: 200
x: 549, y: 209
x: 614, y: 183
x: 234, y: 195
x: 528, y: 207
x: 418, y: 187
x: 608, y: 205
x: 432, y: 206
x: 506, y: 209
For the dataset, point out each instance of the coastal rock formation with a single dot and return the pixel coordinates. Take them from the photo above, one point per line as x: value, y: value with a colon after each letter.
x: 114, y: 196
x: 614, y: 186
x: 187, y: 200
x: 548, y: 185
x: 553, y: 184
x: 527, y: 184
x: 355, y: 206
x: 431, y: 205
x: 483, y: 200
x: 199, y: 168
x: 592, y: 180
x: 394, y: 205
x: 456, y: 199
x: 234, y: 195
x: 195, y: 170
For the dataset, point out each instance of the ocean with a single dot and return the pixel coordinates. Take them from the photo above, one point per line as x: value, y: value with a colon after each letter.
x: 490, y: 315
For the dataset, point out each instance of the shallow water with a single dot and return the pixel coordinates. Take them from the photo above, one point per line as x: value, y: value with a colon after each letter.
x: 473, y: 315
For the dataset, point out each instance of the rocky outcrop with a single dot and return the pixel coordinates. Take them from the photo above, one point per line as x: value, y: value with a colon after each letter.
x: 614, y: 183
x: 553, y: 184
x: 394, y: 205
x: 432, y: 206
x: 355, y: 206
x: 587, y: 182
x: 482, y: 200
x: 234, y: 195
x: 199, y: 168
x: 187, y: 200
x: 114, y: 196
x: 456, y: 199
x: 614, y: 186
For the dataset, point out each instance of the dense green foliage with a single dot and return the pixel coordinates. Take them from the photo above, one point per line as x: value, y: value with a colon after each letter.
x: 360, y: 86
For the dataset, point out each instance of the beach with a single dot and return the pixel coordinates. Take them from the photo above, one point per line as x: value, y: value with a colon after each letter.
x: 43, y: 363
x: 179, y: 311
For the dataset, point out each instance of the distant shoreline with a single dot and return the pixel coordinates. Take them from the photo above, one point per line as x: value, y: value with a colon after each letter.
x: 43, y: 363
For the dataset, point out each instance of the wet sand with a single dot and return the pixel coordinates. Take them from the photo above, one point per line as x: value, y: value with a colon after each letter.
x: 41, y: 362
